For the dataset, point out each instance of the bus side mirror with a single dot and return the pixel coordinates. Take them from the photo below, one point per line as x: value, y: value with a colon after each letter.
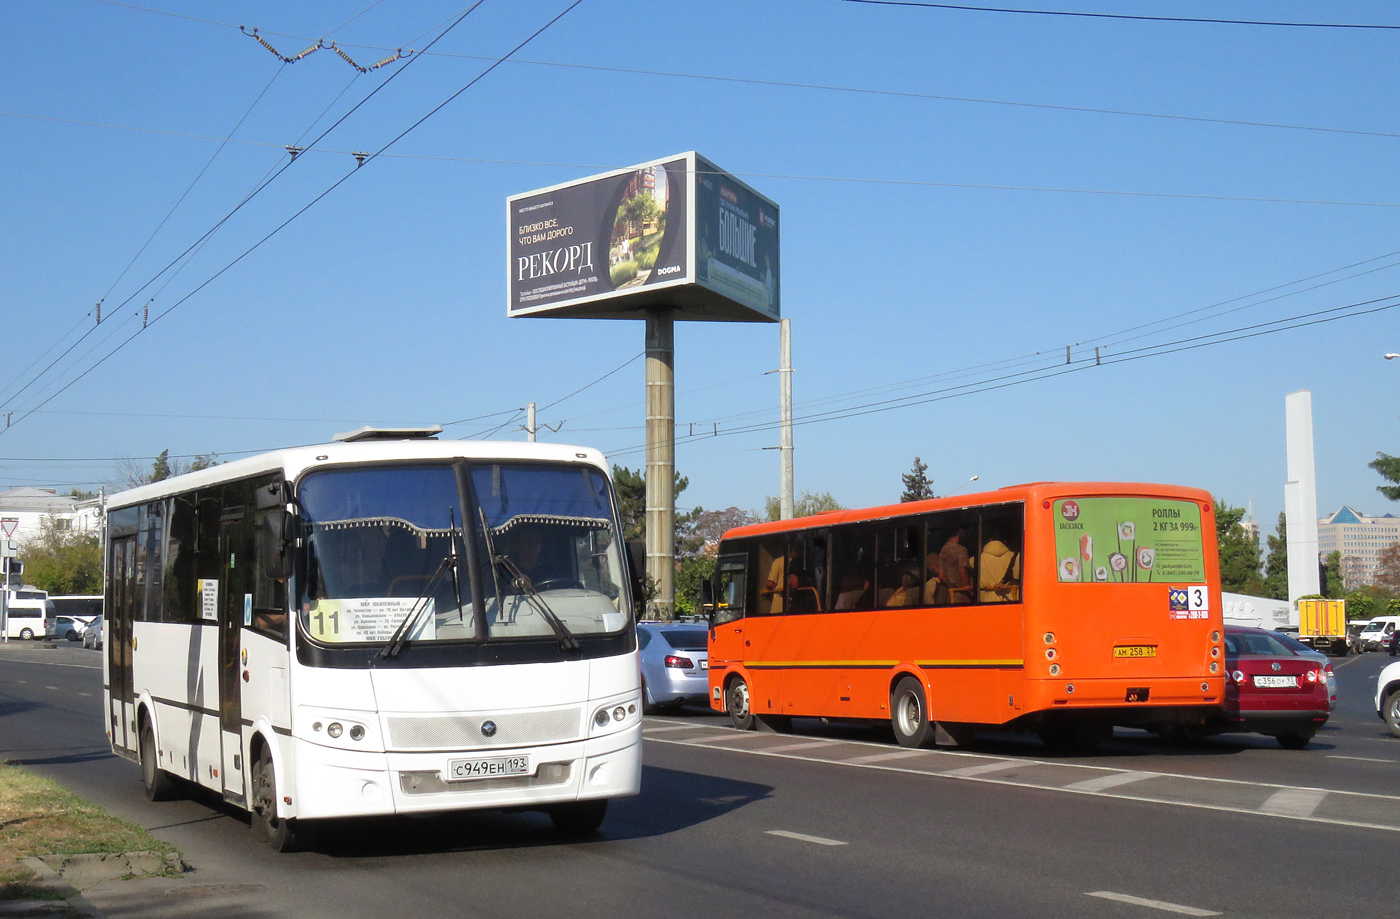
x: 707, y: 599
x: 276, y: 543
x: 636, y: 570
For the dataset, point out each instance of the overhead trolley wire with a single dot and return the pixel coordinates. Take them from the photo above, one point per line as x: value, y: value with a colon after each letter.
x: 959, y: 7
x: 258, y: 189
x: 327, y: 191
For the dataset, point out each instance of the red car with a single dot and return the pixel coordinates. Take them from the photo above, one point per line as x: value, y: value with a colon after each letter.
x: 1272, y: 689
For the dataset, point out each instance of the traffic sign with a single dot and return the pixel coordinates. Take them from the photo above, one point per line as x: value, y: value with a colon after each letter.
x: 8, y: 525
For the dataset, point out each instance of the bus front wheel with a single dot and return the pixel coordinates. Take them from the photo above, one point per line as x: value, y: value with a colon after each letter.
x: 158, y: 783
x: 26, y: 634
x: 909, y: 715
x: 738, y: 704
x: 280, y: 832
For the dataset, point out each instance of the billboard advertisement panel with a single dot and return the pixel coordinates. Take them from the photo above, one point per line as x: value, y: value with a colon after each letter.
x: 673, y: 233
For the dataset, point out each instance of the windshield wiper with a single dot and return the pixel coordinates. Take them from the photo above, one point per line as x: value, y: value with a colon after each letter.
x: 522, y: 584
x: 410, y: 620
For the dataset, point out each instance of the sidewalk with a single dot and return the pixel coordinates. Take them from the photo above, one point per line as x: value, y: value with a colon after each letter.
x: 107, y: 891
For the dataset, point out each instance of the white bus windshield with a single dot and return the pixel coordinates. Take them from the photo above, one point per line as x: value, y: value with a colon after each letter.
x: 380, y: 541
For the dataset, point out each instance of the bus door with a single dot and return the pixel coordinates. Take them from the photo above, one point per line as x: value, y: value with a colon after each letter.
x: 236, y: 550
x: 727, y: 617
x: 801, y: 639
x: 118, y: 642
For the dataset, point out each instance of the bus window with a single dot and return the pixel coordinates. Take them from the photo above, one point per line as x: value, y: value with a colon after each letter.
x: 733, y: 588
x: 807, y: 574
x: 899, y: 578
x: 999, y: 562
x: 179, y: 605
x: 853, y: 568
x: 949, y: 559
x: 773, y: 555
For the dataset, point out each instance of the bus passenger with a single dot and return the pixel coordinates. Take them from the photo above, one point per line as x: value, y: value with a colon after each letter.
x: 954, y: 569
x: 908, y: 591
x: 853, y: 588
x: 777, y: 576
x: 999, y: 573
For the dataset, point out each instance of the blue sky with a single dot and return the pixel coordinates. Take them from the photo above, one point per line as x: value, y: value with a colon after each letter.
x: 385, y: 302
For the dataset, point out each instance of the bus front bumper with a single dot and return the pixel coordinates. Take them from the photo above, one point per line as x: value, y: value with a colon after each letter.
x: 346, y: 783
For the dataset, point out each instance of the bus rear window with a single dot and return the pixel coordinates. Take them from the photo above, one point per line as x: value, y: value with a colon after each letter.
x: 1128, y: 540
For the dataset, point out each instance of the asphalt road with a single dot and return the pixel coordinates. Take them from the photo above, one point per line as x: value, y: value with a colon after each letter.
x: 835, y: 821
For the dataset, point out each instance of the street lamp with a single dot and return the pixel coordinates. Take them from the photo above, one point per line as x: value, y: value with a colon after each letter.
x: 965, y: 484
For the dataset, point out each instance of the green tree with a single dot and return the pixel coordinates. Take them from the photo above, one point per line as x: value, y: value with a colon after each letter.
x: 1332, y: 577
x: 917, y: 485
x: 131, y: 474
x: 62, y: 561
x: 1389, y: 468
x: 806, y: 505
x: 689, y: 574
x: 1360, y: 605
x: 1276, y: 568
x: 1239, y: 552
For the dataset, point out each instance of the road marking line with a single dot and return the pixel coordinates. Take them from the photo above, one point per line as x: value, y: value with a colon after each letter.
x: 731, y: 735
x: 1142, y: 799
x: 881, y: 757
x: 785, y: 748
x: 982, y: 768
x: 674, y: 727
x: 88, y: 694
x: 1154, y: 904
x: 1109, y: 781
x: 1362, y: 759
x: 54, y: 688
x: 1294, y: 802
x: 819, y: 840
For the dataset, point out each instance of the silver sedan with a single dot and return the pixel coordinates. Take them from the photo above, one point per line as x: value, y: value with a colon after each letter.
x: 675, y: 664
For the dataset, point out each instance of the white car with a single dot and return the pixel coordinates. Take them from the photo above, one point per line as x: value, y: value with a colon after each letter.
x: 92, y: 635
x: 1388, y: 697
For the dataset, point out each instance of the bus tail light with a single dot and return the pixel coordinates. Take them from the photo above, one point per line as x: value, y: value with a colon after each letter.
x: 683, y: 663
x: 1214, y: 667
x: 1054, y: 669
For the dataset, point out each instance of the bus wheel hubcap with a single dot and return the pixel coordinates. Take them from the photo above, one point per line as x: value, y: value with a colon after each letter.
x: 741, y: 699
x: 909, y: 714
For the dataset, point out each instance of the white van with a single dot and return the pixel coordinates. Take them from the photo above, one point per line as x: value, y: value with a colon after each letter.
x: 1376, y: 635
x: 30, y: 614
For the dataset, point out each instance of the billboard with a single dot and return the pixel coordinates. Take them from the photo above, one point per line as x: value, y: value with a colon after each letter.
x: 676, y: 233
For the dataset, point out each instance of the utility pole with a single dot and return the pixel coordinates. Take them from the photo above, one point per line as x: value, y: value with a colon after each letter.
x: 661, y: 458
x: 786, y: 504
x: 530, y: 428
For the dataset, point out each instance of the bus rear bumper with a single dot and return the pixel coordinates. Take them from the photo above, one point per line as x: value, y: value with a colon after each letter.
x: 1128, y: 702
x: 339, y: 783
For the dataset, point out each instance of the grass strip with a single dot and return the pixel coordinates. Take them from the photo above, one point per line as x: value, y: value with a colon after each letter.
x: 40, y: 817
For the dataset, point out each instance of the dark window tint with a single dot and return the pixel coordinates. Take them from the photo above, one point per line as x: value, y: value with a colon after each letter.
x: 899, y: 576
x: 30, y: 595
x: 686, y: 639
x: 807, y: 572
x: 853, y: 568
x: 643, y: 638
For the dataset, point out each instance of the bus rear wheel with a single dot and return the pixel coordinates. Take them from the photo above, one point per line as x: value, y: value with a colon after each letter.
x: 26, y: 634
x: 280, y: 832
x: 159, y: 784
x: 737, y: 702
x: 909, y: 715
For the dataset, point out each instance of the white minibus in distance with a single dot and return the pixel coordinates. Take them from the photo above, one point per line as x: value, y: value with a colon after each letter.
x: 30, y: 614
x: 388, y: 624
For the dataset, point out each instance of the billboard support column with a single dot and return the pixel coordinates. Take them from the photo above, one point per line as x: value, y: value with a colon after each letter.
x: 661, y: 458
x: 785, y: 418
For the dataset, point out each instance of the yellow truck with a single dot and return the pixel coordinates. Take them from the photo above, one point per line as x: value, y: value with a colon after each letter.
x: 1323, y: 625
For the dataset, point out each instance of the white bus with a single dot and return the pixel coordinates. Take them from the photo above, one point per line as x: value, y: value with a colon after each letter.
x: 381, y: 625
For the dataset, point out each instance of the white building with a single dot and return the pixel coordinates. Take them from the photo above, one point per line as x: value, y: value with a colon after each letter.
x: 25, y: 508
x: 1360, y: 540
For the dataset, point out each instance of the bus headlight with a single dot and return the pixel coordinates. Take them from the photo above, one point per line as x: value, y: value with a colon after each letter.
x: 601, y: 718
x: 334, y: 729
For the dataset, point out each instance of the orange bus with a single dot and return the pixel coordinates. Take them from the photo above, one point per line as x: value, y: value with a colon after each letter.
x: 1064, y: 608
